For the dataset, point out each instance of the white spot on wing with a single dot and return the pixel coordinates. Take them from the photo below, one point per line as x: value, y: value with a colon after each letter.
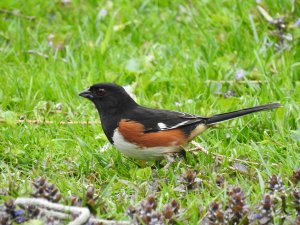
x: 162, y: 125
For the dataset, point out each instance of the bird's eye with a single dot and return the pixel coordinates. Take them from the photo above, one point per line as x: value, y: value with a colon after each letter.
x: 100, y: 92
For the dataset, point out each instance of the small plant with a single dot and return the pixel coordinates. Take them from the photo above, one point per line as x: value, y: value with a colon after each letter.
x: 189, y: 179
x: 43, y: 189
x: 215, y: 215
x: 146, y: 212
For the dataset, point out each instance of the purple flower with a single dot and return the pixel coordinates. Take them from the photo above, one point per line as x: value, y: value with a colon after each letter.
x: 20, y: 219
x: 297, y: 23
x: 239, y: 74
x: 18, y: 212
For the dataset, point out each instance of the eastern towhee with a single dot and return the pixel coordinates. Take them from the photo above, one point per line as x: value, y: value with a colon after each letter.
x: 150, y: 134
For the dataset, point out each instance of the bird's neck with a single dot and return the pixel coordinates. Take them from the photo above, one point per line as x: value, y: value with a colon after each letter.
x: 110, y: 118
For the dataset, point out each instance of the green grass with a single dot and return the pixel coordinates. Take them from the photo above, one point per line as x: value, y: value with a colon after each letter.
x: 166, y: 50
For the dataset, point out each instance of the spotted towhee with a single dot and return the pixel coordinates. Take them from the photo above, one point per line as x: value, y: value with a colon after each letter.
x: 150, y: 134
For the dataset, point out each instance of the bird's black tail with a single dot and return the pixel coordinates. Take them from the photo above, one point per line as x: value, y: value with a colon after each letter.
x: 230, y: 115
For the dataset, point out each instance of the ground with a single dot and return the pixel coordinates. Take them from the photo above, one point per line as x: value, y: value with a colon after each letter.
x: 201, y: 57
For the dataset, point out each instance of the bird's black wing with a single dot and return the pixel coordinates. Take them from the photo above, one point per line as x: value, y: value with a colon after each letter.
x: 159, y: 120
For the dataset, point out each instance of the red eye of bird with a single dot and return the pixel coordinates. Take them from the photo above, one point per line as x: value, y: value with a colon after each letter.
x: 100, y: 92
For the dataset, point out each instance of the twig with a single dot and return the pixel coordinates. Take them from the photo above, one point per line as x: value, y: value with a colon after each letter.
x: 55, y: 214
x: 199, y: 147
x: 33, y: 52
x: 61, y: 112
x: 38, y: 122
x: 236, y: 81
x: 84, y: 213
x: 16, y: 13
x: 215, y: 155
x: 63, y: 212
x: 108, y: 222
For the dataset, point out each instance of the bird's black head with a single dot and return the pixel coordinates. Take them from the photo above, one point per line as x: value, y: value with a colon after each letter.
x: 108, y: 97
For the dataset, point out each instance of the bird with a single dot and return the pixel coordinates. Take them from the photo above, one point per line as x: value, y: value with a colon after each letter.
x: 149, y: 134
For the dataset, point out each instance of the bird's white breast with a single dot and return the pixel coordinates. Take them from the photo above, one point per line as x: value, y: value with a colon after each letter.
x: 134, y: 151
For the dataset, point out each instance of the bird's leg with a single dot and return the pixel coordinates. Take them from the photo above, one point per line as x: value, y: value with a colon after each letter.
x: 182, y: 153
x: 170, y: 158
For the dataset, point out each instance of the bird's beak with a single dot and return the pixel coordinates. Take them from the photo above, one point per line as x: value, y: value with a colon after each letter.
x: 86, y: 94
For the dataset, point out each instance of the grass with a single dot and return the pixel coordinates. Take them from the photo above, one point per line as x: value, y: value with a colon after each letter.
x: 167, y: 51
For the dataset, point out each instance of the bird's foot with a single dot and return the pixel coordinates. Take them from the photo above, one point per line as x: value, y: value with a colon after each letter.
x: 172, y: 156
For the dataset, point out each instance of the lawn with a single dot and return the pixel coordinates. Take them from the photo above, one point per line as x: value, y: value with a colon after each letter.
x: 201, y: 57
